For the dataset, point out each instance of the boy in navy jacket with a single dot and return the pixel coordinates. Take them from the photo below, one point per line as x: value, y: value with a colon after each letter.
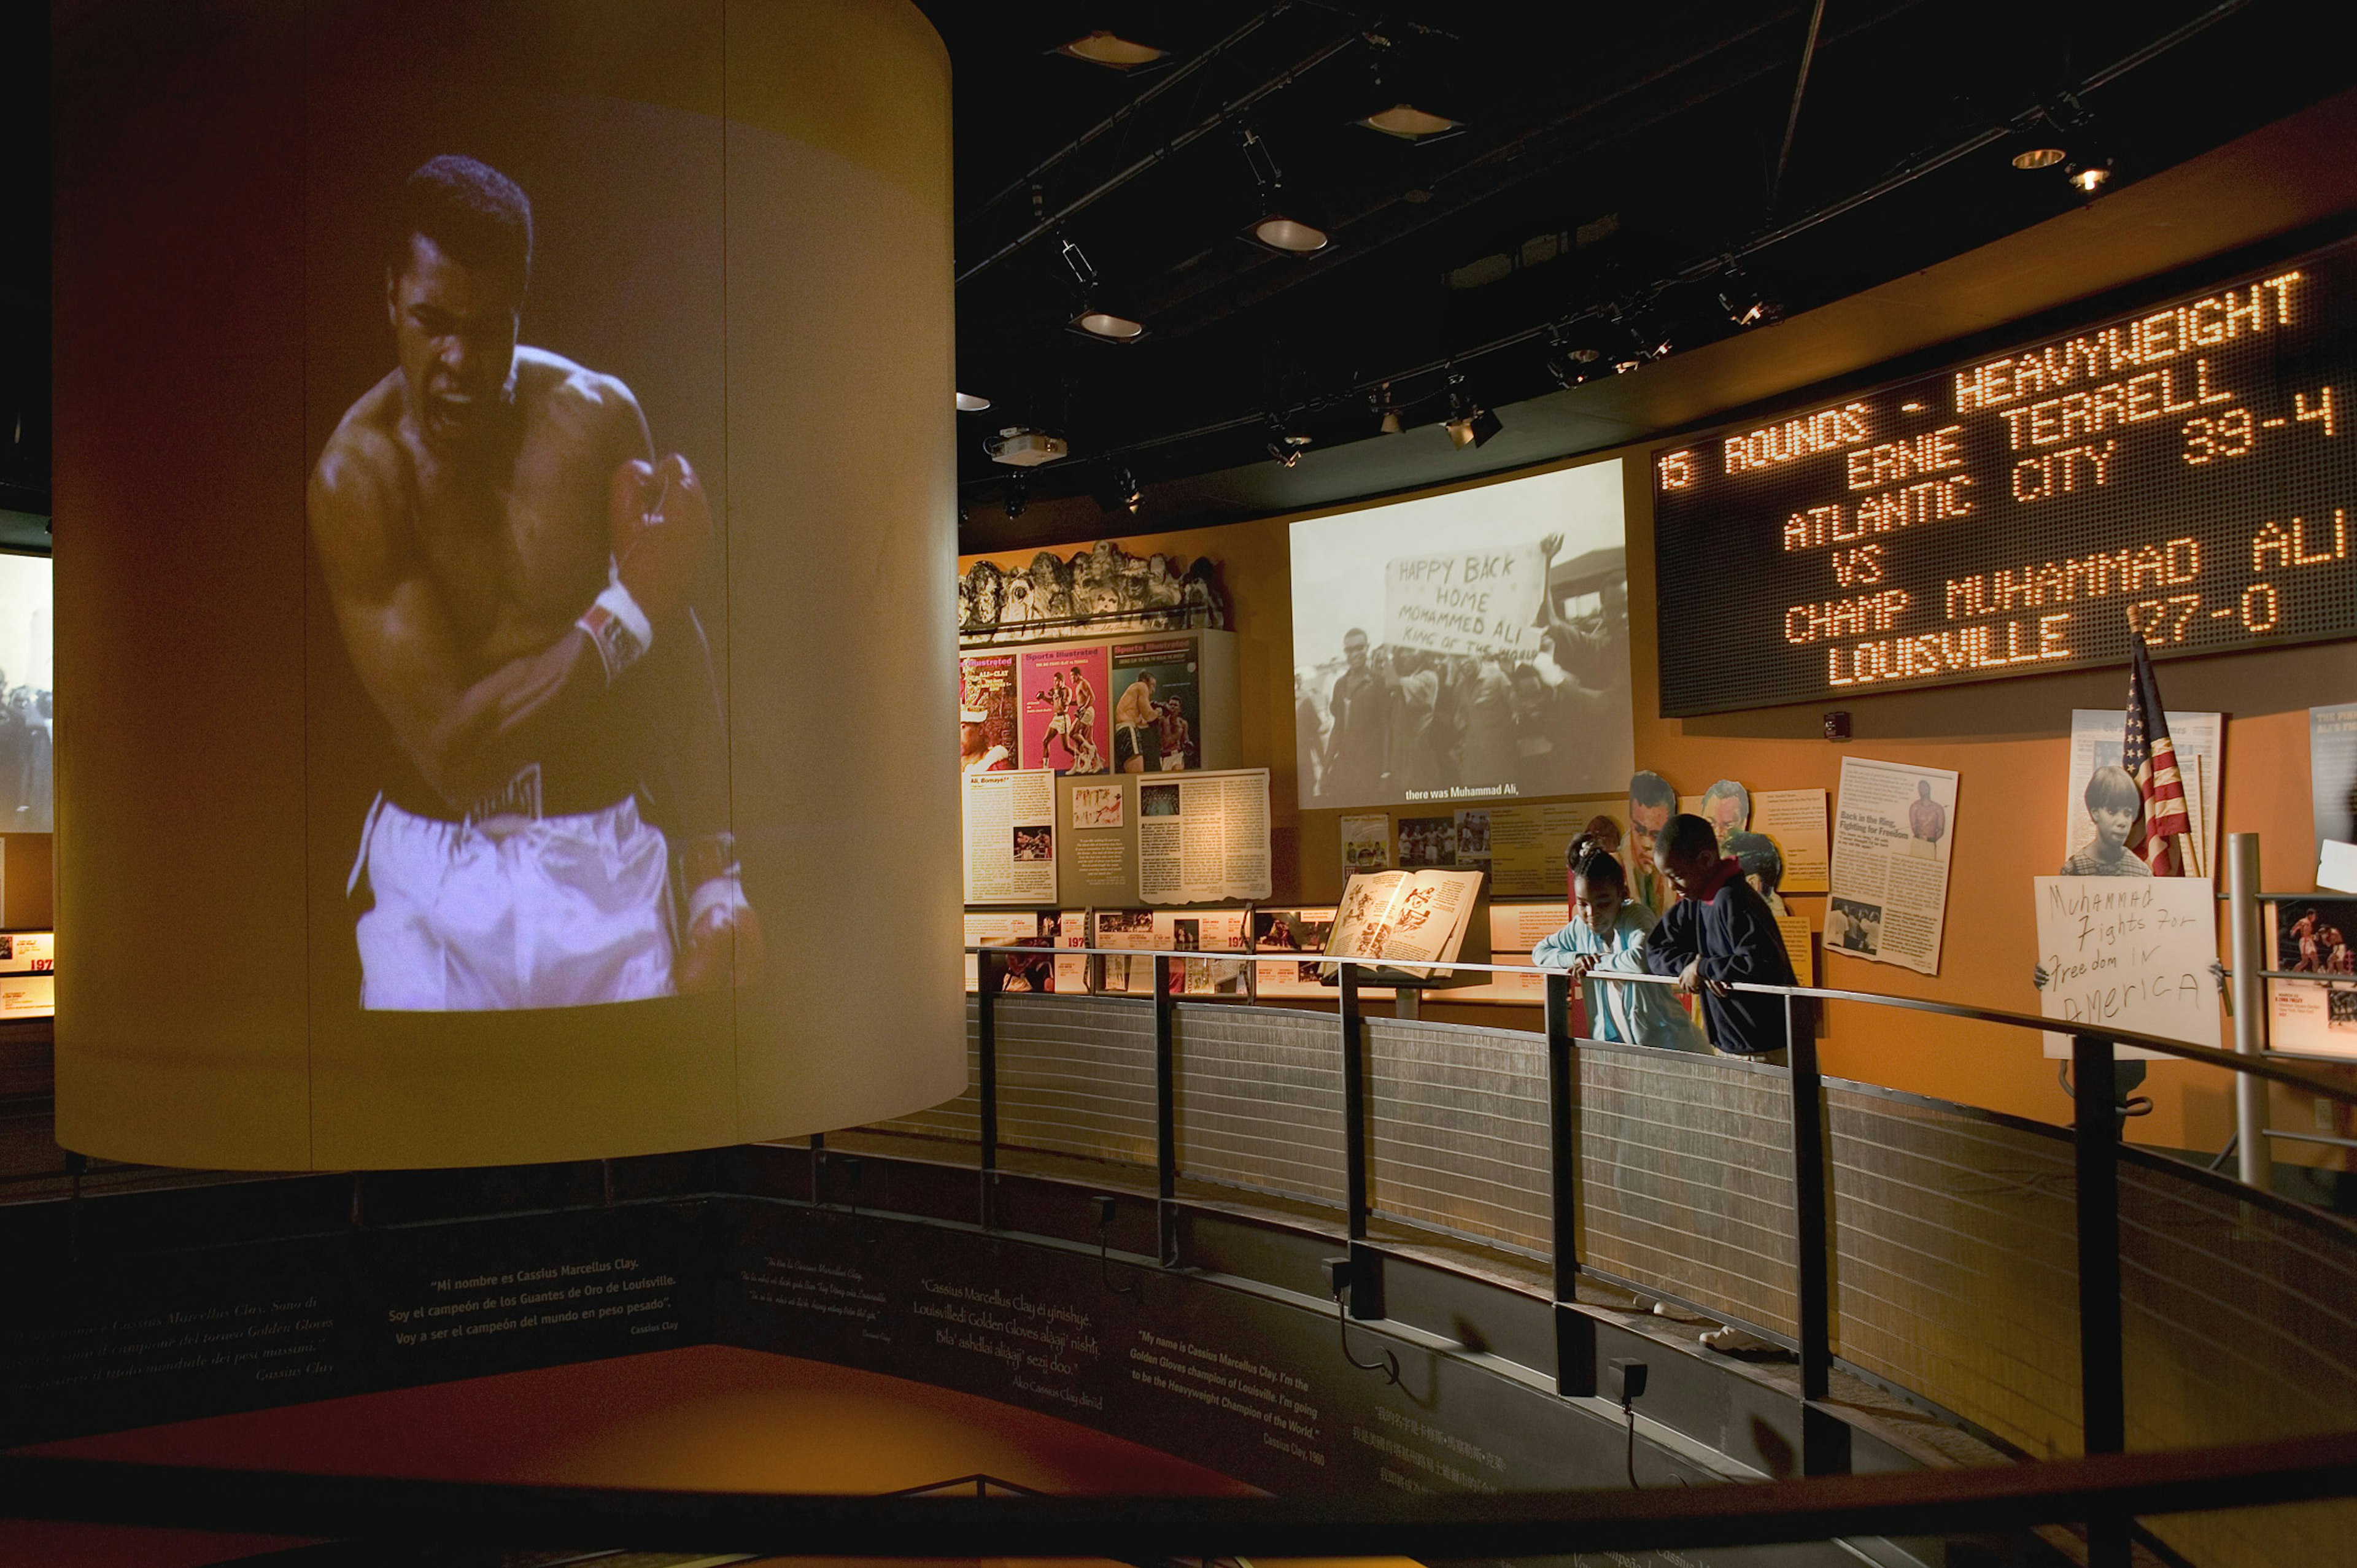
x: 1721, y: 930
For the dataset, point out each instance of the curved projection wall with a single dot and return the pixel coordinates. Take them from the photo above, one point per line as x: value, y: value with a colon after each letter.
x: 505, y: 528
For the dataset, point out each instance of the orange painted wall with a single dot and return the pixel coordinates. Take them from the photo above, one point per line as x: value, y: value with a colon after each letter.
x: 2008, y: 740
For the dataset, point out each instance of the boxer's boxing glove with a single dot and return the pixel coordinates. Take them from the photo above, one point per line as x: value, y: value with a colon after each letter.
x: 658, y: 529
x: 722, y: 930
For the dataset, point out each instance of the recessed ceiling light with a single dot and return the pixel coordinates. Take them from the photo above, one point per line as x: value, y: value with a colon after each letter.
x: 1110, y: 51
x: 1410, y: 124
x: 1105, y: 325
x: 2039, y: 158
x: 972, y: 403
x: 1289, y: 235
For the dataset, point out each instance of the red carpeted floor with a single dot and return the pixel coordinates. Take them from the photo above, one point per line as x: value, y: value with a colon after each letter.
x: 705, y: 1418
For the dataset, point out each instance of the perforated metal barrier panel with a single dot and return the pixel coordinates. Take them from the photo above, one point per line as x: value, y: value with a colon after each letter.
x: 2185, y: 470
x: 1456, y: 1136
x: 1259, y: 1102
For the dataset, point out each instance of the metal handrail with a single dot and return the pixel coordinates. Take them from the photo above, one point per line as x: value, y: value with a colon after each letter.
x: 1909, y: 1503
x: 2096, y: 1135
x: 2309, y: 1079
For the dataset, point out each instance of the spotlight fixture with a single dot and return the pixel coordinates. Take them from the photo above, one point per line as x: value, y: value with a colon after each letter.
x: 1110, y: 51
x: 1021, y: 446
x: 1105, y: 326
x: 1120, y: 491
x: 1285, y: 443
x: 1469, y: 422
x: 2088, y: 175
x: 1570, y: 364
x: 972, y: 403
x: 1476, y: 429
x: 1743, y: 304
x: 1272, y: 230
x: 1387, y: 413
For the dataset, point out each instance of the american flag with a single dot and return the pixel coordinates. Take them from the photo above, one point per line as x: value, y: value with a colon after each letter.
x: 2150, y: 758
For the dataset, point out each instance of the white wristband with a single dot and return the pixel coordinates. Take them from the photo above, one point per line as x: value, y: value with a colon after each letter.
x: 719, y: 893
x: 619, y: 628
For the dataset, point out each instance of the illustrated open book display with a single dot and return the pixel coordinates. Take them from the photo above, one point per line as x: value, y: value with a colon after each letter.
x: 1411, y: 920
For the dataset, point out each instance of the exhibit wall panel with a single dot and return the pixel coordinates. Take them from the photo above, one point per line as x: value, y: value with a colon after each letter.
x: 510, y: 680
x: 185, y: 850
x: 843, y: 667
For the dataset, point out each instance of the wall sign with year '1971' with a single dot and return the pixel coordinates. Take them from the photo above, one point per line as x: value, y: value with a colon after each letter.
x: 2185, y: 471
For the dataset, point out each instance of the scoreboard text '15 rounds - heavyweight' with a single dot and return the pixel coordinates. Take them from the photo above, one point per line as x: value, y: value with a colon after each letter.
x: 2184, y: 471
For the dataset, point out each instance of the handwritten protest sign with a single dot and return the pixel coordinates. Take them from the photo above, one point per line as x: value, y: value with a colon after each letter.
x: 2129, y: 952
x: 1470, y: 601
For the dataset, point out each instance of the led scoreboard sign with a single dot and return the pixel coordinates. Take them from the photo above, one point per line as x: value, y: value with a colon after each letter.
x: 2185, y: 471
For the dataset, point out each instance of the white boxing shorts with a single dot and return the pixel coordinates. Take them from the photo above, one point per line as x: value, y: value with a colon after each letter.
x: 513, y: 912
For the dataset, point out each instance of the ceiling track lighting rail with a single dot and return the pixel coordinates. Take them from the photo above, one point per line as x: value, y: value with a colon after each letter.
x: 1800, y: 88
x: 1128, y: 110
x: 1719, y: 262
x: 1193, y: 133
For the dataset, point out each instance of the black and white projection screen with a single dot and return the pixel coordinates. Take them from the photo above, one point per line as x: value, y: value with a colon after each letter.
x: 1467, y: 646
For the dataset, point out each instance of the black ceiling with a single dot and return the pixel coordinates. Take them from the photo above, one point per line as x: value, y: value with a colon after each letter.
x: 1608, y: 151
x: 1645, y: 135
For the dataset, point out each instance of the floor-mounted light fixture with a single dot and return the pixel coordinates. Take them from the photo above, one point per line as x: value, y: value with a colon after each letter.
x: 1341, y: 1274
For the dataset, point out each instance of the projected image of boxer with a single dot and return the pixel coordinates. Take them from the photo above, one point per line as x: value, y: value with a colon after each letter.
x: 510, y: 567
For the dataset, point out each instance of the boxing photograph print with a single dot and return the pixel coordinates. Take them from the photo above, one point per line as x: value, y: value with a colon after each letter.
x: 511, y: 509
x: 461, y: 576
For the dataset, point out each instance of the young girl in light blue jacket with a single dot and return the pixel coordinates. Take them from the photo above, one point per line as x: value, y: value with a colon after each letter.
x: 1608, y: 932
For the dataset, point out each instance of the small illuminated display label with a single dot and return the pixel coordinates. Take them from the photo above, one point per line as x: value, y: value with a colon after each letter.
x: 2185, y: 471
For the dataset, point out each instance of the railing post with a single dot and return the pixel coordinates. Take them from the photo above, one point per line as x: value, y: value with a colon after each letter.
x: 1366, y: 1269
x: 2254, y: 1157
x: 1354, y: 1103
x: 1563, y: 1133
x: 2102, y: 1394
x: 1575, y: 1331
x: 989, y: 972
x: 1811, y: 1221
x: 1165, y: 1112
